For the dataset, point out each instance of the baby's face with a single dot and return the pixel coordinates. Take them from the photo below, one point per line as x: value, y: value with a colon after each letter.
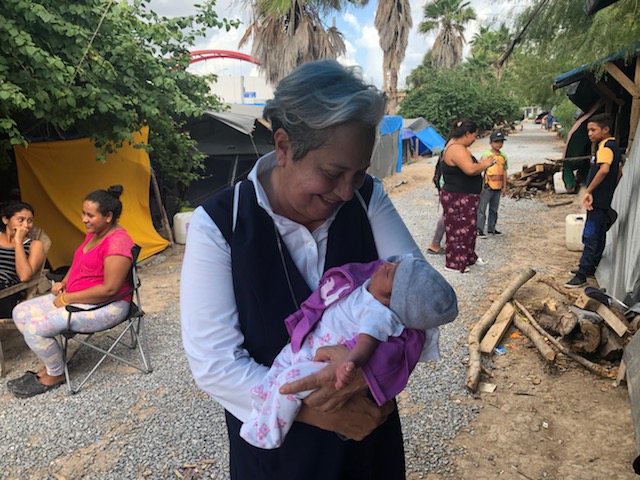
x: 382, y: 282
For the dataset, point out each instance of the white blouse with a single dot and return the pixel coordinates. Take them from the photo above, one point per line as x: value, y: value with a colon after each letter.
x: 210, y: 326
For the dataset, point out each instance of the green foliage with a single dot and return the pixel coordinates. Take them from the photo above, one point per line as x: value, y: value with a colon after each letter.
x: 460, y: 93
x: 565, y: 113
x: 561, y: 38
x: 487, y: 45
x: 57, y: 80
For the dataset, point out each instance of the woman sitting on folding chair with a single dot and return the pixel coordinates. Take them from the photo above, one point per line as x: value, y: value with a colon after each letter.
x: 98, y: 273
x: 20, y: 256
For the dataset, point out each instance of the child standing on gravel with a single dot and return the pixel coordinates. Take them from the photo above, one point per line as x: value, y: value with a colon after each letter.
x: 495, y: 185
x: 602, y: 179
x: 391, y: 300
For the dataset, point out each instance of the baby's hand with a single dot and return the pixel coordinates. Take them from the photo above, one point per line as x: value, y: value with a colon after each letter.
x: 345, y: 374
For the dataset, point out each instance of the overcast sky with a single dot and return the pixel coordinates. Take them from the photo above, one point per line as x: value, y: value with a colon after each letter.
x: 361, y: 36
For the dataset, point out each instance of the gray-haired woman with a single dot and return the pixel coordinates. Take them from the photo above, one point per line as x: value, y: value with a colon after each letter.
x: 256, y: 251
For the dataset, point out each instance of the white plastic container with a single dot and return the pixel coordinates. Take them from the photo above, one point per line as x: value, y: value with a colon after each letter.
x: 573, y: 231
x: 558, y: 183
x: 181, y: 226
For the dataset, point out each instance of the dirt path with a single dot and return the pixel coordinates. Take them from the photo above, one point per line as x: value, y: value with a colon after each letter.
x: 542, y: 422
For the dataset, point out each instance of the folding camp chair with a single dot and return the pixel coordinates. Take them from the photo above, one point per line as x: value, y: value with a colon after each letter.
x: 30, y: 287
x: 132, y: 324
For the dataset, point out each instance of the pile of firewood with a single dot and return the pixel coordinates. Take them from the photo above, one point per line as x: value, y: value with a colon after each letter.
x: 569, y: 322
x: 531, y: 180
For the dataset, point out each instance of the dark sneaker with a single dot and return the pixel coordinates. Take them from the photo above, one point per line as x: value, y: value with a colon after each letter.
x: 576, y: 282
x: 481, y: 233
x: 495, y: 232
x: 576, y: 271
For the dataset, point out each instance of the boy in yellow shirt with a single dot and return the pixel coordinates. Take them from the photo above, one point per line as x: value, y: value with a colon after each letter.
x: 495, y: 185
x: 603, y: 177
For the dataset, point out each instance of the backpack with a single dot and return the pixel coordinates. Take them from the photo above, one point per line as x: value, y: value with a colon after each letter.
x: 437, y: 174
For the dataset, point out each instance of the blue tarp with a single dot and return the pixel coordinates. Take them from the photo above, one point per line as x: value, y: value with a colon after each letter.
x: 430, y: 139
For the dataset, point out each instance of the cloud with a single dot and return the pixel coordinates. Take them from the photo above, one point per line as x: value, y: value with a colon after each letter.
x: 352, y: 21
x: 360, y: 34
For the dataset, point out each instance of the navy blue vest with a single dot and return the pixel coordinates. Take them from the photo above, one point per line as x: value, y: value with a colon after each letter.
x: 264, y: 300
x: 603, y: 193
x: 259, y: 279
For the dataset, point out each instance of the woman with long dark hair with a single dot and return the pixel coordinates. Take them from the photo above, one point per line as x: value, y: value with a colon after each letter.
x: 20, y: 256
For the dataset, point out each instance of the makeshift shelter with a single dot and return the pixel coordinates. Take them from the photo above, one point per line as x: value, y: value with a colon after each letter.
x: 232, y: 142
x: 423, y: 133
x: 55, y: 177
x: 619, y: 269
x: 616, y: 91
x: 387, y: 151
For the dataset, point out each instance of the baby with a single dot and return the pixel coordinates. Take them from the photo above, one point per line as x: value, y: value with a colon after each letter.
x: 392, y: 299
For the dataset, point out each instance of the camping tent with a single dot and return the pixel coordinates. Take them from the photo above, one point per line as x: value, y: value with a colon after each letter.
x: 56, y: 176
x: 232, y: 142
x: 429, y: 139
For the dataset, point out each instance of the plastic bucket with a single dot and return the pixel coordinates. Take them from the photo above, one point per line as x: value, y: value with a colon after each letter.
x: 574, y: 225
x: 558, y: 183
x: 181, y: 226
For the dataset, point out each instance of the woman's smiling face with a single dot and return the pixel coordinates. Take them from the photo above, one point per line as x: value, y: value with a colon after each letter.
x: 93, y: 220
x: 311, y: 189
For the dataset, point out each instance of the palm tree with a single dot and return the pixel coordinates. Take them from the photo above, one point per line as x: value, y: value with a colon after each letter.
x: 449, y: 16
x: 487, y: 45
x: 393, y: 22
x: 288, y: 33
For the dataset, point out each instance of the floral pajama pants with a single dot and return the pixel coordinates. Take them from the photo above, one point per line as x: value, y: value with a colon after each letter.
x: 39, y: 321
x: 273, y: 413
x: 460, y: 222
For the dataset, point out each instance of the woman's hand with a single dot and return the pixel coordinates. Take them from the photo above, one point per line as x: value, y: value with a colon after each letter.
x: 326, y: 398
x: 57, y: 302
x: 58, y: 288
x: 20, y: 234
x: 355, y: 420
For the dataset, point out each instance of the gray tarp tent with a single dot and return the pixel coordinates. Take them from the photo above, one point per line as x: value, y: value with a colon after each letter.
x: 232, y: 142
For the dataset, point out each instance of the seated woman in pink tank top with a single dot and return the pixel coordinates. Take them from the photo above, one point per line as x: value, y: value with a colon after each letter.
x: 99, y: 272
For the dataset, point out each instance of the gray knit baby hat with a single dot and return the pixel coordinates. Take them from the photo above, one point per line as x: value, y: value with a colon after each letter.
x: 410, y: 288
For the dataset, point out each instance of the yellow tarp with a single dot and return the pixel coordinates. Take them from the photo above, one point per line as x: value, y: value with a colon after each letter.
x: 55, y: 177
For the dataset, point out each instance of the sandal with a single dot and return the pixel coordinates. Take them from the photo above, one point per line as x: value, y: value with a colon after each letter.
x: 434, y: 252
x: 31, y: 386
x: 22, y: 379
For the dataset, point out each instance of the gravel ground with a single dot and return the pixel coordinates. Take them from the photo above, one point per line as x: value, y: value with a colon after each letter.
x: 129, y: 425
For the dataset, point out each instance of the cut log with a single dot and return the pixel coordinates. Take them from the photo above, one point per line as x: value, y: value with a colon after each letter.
x: 590, y: 339
x: 478, y: 330
x: 610, y: 346
x: 593, y: 367
x: 498, y: 329
x: 545, y: 350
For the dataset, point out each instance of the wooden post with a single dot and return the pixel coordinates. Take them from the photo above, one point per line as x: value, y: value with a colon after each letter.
x: 156, y: 193
x: 475, y: 357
